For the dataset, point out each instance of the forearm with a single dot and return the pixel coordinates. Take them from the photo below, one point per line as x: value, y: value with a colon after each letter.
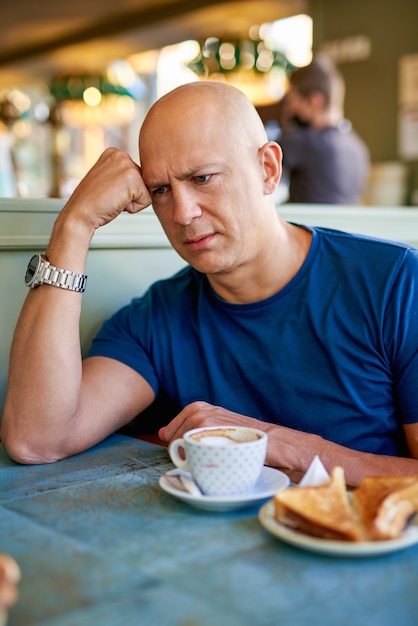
x: 48, y: 413
x: 45, y: 361
x: 295, y: 450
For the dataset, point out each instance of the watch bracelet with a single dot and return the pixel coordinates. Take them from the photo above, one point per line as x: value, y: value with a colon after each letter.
x: 64, y: 278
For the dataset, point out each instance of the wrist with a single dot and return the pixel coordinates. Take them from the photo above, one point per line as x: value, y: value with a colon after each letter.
x: 41, y: 272
x: 69, y: 243
x: 292, y: 448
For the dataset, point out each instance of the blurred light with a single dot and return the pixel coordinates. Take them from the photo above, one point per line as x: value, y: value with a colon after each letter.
x: 20, y: 100
x: 62, y: 142
x: 144, y: 62
x: 292, y: 36
x: 254, y: 32
x: 97, y: 100
x: 22, y: 129
x: 187, y: 50
x: 258, y: 64
x: 92, y: 96
x: 210, y: 44
x: 14, y: 104
x: 249, y: 65
x: 121, y: 73
x: 173, y: 66
x: 41, y: 112
x: 227, y: 56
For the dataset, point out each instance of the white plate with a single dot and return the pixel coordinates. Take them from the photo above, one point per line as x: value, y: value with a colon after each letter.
x: 332, y: 547
x: 270, y: 482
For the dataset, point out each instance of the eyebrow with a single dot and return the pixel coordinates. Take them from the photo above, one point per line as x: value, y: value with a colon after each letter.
x: 185, y: 175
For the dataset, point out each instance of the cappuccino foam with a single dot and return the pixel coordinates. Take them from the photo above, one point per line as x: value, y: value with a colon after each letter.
x: 224, y: 436
x: 210, y: 440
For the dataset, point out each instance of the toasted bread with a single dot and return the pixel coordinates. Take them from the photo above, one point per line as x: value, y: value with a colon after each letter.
x: 385, y: 503
x: 378, y: 509
x: 323, y: 511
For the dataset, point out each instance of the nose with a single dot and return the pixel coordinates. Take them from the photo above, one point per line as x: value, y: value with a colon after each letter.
x: 186, y: 206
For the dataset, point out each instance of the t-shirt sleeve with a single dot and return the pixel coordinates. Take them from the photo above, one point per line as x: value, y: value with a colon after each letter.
x: 125, y: 337
x: 401, y: 332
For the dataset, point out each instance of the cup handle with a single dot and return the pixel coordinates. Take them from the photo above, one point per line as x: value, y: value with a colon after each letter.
x: 175, y: 456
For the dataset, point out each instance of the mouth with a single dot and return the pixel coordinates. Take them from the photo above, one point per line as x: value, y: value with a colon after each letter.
x: 199, y: 242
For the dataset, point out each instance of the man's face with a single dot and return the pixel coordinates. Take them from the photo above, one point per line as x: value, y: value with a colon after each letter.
x: 207, y: 190
x: 300, y: 106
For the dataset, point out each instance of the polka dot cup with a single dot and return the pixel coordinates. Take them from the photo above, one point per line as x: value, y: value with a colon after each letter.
x: 223, y: 460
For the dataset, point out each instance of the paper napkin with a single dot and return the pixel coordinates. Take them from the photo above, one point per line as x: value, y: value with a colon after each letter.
x: 315, y: 475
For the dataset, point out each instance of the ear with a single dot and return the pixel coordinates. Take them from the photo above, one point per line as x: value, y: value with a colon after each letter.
x: 270, y: 155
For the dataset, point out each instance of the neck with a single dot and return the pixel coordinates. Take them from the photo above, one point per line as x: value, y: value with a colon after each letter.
x: 263, y: 277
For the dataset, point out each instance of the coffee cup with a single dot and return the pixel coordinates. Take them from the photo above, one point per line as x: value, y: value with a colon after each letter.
x: 223, y: 460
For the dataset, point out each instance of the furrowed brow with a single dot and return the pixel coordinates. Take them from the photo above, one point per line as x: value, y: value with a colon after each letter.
x: 188, y: 173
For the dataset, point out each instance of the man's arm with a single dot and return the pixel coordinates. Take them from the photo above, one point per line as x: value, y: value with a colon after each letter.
x: 295, y: 450
x: 55, y: 406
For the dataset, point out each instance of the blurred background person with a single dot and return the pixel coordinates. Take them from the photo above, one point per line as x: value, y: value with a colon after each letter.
x: 324, y: 160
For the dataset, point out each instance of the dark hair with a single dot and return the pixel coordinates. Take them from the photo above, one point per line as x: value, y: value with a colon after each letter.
x: 320, y: 75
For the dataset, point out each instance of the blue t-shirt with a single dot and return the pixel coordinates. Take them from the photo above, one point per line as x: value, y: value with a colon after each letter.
x: 335, y: 352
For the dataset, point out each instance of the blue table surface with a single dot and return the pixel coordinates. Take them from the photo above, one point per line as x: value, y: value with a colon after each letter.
x: 99, y: 543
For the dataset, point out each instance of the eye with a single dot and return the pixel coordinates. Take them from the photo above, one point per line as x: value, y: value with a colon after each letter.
x: 202, y: 178
x: 160, y: 191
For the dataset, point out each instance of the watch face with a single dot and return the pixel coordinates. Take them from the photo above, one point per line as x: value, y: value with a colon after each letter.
x: 31, y: 269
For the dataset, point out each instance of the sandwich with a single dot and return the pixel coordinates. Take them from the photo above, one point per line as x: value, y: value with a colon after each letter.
x: 323, y: 511
x: 385, y: 504
x: 378, y: 509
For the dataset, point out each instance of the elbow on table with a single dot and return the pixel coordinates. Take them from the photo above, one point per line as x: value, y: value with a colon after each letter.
x: 25, y: 450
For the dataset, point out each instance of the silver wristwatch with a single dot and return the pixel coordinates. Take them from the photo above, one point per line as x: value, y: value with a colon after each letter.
x: 40, y: 271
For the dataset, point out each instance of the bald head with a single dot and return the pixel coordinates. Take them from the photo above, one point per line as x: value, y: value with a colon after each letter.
x: 211, y: 174
x: 206, y: 105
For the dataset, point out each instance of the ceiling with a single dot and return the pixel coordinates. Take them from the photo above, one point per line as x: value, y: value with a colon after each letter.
x: 40, y: 39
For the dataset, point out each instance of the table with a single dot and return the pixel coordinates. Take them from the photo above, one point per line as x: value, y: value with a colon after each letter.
x: 100, y: 544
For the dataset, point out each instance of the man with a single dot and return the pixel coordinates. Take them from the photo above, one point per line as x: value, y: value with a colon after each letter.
x: 324, y: 160
x: 308, y: 334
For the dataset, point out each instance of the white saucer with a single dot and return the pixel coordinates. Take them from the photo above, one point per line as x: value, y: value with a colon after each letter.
x: 336, y: 548
x: 270, y: 482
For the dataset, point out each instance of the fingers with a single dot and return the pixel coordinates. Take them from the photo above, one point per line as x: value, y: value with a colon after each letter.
x: 9, y: 568
x: 201, y: 414
x: 9, y: 577
x: 126, y: 173
x: 178, y: 425
x: 141, y: 196
x: 281, y: 443
x: 114, y: 184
